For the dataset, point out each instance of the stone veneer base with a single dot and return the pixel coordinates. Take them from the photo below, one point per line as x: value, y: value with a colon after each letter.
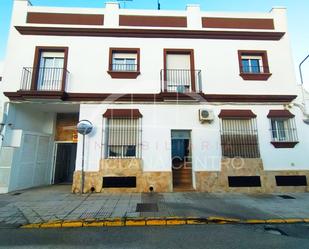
x: 206, y: 181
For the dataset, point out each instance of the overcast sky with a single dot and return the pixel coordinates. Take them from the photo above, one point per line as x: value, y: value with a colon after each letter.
x: 298, y: 17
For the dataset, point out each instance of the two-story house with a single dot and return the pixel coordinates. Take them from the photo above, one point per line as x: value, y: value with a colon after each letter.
x: 179, y: 100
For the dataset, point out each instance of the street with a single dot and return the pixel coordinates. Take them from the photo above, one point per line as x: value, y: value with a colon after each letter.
x: 199, y: 236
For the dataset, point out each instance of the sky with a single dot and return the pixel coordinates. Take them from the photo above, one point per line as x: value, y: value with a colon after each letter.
x: 298, y: 17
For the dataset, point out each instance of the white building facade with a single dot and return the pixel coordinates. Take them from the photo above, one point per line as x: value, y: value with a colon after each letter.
x: 179, y: 100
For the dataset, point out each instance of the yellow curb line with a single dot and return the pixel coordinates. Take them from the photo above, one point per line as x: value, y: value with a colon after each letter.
x: 254, y: 221
x: 156, y: 221
x: 294, y: 221
x: 135, y: 222
x: 275, y: 221
x: 68, y: 224
x: 173, y: 221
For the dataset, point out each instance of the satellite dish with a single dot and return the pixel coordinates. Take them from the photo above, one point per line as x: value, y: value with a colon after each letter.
x: 84, y: 127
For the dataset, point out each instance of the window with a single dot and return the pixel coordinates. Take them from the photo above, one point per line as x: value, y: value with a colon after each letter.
x: 179, y: 74
x: 253, y: 65
x: 50, y: 71
x: 123, y: 133
x: 239, y: 137
x: 123, y: 138
x: 124, y: 63
x: 283, y: 129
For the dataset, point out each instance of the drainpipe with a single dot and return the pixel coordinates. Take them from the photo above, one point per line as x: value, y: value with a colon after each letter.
x: 303, y: 107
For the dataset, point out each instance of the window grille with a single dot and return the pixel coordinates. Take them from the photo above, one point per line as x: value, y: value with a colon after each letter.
x: 239, y: 138
x: 283, y: 130
x: 123, y: 138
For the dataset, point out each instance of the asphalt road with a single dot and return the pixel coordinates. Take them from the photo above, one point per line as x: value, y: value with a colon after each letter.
x: 174, y: 237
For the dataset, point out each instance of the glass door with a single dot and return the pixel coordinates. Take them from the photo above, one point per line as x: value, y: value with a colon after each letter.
x: 50, y: 71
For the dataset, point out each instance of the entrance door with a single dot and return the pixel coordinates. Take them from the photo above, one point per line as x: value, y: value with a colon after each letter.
x: 181, y: 159
x: 50, y: 71
x: 65, y: 162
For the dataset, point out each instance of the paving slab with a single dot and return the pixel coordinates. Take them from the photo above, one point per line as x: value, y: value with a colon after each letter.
x: 57, y: 203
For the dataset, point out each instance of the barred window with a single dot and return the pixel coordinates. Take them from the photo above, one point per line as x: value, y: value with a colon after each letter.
x: 283, y: 130
x: 123, y: 138
x: 239, y: 138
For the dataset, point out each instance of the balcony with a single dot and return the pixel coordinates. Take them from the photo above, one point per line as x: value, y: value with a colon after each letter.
x: 43, y: 82
x: 183, y: 81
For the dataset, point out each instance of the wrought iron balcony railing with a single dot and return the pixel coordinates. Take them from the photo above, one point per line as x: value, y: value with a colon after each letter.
x: 254, y: 69
x: 284, y: 135
x: 124, y: 67
x: 181, y: 80
x: 44, y: 79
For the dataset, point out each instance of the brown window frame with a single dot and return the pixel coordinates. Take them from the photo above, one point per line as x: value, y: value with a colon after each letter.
x: 190, y: 52
x: 262, y: 76
x: 124, y: 74
x: 36, y: 63
x: 289, y: 139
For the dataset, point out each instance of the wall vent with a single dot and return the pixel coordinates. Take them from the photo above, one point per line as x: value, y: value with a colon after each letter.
x: 291, y: 180
x: 244, y: 181
x: 119, y: 182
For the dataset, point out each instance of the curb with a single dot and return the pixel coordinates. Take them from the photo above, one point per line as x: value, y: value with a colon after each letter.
x: 157, y: 221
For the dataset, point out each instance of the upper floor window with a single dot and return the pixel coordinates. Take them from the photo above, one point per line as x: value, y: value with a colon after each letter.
x: 178, y: 74
x: 239, y: 137
x: 253, y: 65
x: 283, y: 129
x: 49, y: 71
x: 124, y: 63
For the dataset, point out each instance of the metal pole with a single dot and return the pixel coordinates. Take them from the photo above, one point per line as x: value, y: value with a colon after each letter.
x: 83, y: 176
x: 300, y: 71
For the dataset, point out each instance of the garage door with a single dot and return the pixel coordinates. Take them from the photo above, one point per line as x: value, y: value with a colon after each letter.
x: 32, y: 162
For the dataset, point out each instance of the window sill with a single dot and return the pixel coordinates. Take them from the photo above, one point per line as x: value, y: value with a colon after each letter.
x: 284, y: 144
x: 123, y: 74
x: 255, y: 76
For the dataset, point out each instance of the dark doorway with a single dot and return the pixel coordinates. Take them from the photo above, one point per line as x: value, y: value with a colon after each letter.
x: 181, y: 159
x: 65, y: 162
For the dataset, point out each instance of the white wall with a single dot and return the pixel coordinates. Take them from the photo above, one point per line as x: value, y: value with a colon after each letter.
x: 88, y: 56
x: 159, y: 120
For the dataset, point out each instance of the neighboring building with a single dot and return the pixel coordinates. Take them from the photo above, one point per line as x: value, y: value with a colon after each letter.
x: 215, y: 91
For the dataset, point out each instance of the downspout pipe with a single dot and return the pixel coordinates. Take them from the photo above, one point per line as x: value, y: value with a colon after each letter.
x: 303, y: 107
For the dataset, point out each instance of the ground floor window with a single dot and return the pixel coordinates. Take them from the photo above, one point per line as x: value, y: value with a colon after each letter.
x: 239, y: 138
x: 283, y: 130
x: 123, y: 138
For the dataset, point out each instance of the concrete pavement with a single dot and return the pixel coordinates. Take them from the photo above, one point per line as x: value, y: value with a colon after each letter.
x: 52, y: 203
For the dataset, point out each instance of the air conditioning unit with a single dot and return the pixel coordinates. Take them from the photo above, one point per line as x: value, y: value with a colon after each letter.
x: 206, y: 115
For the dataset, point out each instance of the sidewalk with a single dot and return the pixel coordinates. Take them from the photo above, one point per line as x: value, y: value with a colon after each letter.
x: 57, y: 203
